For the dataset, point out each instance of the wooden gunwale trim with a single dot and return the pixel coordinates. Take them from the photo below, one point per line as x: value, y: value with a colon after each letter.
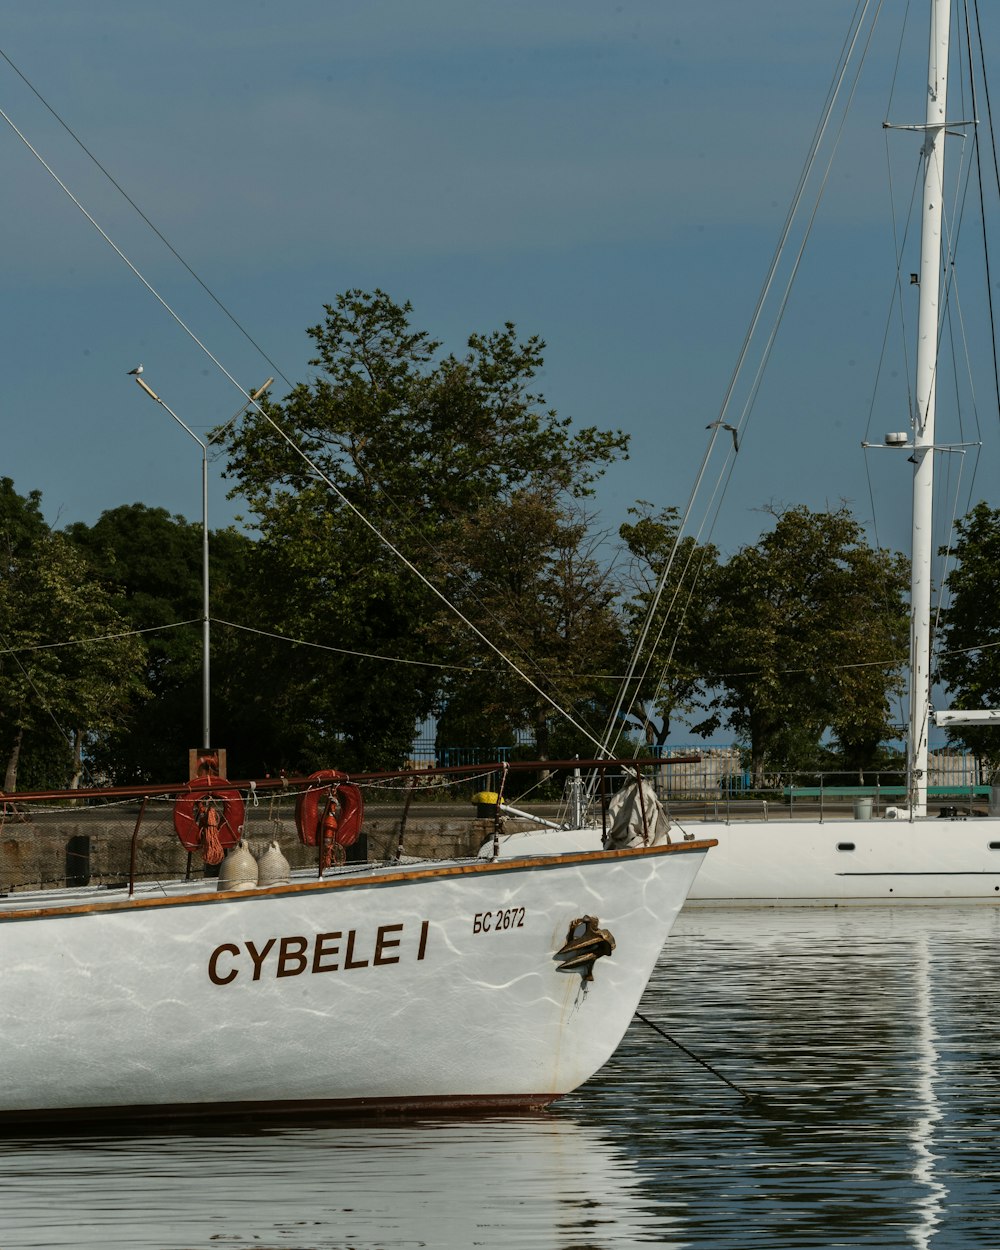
x: 369, y: 881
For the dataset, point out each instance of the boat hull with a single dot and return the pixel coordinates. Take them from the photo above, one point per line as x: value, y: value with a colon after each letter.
x: 789, y: 862
x: 433, y: 988
x: 852, y: 861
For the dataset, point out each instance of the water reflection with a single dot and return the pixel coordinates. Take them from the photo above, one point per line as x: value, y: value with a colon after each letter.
x: 930, y: 1207
x: 540, y: 1182
x: 870, y: 1036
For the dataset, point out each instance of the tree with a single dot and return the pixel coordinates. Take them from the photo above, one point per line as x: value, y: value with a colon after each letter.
x: 69, y: 666
x: 969, y: 662
x: 441, y: 453
x: 810, y: 630
x: 22, y: 524
x: 533, y: 580
x: 676, y: 657
x: 153, y: 560
x: 21, y: 520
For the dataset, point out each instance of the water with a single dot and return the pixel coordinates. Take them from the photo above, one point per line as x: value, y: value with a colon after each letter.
x: 869, y: 1035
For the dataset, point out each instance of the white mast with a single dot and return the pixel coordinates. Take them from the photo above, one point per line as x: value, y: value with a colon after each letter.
x: 928, y: 322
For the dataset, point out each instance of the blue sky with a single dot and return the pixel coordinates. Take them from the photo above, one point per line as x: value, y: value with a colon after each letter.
x: 611, y: 176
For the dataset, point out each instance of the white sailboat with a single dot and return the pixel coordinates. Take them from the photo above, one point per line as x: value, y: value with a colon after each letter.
x: 401, y: 987
x: 912, y: 855
x: 905, y: 855
x: 387, y: 987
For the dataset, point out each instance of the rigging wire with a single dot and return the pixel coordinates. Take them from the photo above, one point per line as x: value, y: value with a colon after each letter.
x: 128, y: 199
x: 631, y: 676
x: 979, y: 172
x: 394, y: 659
x: 66, y: 734
x: 88, y: 642
x: 897, y: 301
x: 951, y: 310
x: 899, y: 245
x: 834, y: 92
x: 951, y: 321
x: 309, y: 461
x: 322, y: 646
x: 526, y: 658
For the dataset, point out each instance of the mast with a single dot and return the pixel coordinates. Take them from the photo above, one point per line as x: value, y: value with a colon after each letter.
x: 928, y: 322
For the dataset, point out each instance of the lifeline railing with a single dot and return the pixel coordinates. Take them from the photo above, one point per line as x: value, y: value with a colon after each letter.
x: 608, y: 770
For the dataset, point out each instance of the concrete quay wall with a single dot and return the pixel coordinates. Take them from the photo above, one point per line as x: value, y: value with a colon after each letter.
x: 92, y: 846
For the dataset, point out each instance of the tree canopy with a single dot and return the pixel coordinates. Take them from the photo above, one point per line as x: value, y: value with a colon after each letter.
x: 153, y: 561
x: 535, y: 581
x: 809, y: 631
x: 671, y: 595
x: 969, y: 641
x: 457, y: 460
x: 68, y: 665
x: 433, y: 555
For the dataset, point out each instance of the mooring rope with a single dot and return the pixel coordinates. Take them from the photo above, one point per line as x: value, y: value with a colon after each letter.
x: 691, y: 1055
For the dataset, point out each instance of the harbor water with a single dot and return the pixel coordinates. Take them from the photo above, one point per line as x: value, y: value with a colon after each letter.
x: 868, y: 1038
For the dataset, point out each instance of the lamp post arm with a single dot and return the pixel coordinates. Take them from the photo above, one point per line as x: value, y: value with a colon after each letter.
x: 166, y: 408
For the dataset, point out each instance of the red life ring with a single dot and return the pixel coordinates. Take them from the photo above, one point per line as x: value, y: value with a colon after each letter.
x: 314, y: 809
x: 208, y: 803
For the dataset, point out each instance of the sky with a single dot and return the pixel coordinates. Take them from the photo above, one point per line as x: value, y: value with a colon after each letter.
x: 611, y: 176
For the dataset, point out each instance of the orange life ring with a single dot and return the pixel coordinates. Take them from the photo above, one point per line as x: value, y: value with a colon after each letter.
x: 208, y: 803
x: 314, y: 809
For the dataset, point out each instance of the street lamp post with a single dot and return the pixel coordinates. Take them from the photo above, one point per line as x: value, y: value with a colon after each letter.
x: 206, y: 726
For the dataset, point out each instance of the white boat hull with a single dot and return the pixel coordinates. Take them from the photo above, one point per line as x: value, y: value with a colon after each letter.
x: 842, y: 861
x: 384, y: 990
x: 788, y: 862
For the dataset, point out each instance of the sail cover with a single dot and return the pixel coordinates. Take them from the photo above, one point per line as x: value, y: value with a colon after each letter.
x: 625, y: 817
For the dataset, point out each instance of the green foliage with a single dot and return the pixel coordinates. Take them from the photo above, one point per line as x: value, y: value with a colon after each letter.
x: 533, y: 581
x: 809, y: 630
x: 45, y: 761
x: 155, y: 562
x: 457, y: 460
x: 68, y: 665
x: 21, y: 521
x: 792, y: 643
x: 970, y: 634
x: 677, y: 654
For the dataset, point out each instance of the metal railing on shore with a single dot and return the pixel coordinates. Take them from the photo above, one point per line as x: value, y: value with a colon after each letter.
x: 713, y: 772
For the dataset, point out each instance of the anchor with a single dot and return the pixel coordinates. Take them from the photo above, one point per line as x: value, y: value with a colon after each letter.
x: 585, y: 944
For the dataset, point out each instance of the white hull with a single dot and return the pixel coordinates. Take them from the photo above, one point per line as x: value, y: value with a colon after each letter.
x: 860, y: 861
x: 377, y: 990
x: 788, y: 862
